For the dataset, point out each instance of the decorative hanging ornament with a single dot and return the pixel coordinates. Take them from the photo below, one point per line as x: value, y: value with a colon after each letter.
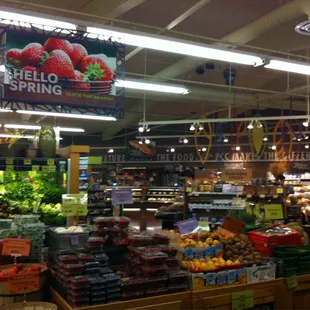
x: 281, y: 127
x: 203, y: 141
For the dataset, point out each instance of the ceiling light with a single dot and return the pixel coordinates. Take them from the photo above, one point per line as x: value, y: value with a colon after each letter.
x: 299, y: 139
x: 110, y: 151
x: 306, y: 123
x: 294, y: 138
x: 306, y: 137
x: 161, y: 43
x: 259, y: 124
x: 16, y: 136
x: 69, y: 129
x: 147, y: 141
x: 306, y: 146
x: 34, y: 127
x: 8, y: 17
x: 68, y: 115
x: 141, y: 129
x: 172, y: 150
x: 140, y: 142
x: 167, y: 150
x: 147, y: 129
x: 225, y: 140
x: 265, y: 139
x: 192, y: 128
x: 250, y: 126
x: 289, y: 66
x: 204, y: 149
x: 5, y: 110
x: 163, y: 88
x: 201, y: 127
x: 180, y: 140
x: 274, y: 147
x: 238, y: 148
x: 185, y: 141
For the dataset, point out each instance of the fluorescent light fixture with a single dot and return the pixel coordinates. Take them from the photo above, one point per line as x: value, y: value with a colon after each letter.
x: 147, y: 141
x: 26, y: 20
x: 288, y: 66
x: 176, y: 46
x: 238, y: 148
x: 157, y: 87
x: 192, y: 128
x: 132, y: 209
x: 151, y: 209
x: 5, y: 110
x: 67, y: 115
x: 2, y: 135
x: 34, y: 127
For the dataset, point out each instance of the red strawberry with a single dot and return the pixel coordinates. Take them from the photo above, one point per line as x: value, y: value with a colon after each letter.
x: 32, y: 54
x: 79, y: 52
x: 84, y: 85
x: 58, y: 44
x: 13, y: 56
x: 30, y: 68
x: 60, y: 64
x: 96, y: 69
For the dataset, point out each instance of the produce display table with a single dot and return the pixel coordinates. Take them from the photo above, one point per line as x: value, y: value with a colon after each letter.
x: 221, y: 298
x: 179, y: 301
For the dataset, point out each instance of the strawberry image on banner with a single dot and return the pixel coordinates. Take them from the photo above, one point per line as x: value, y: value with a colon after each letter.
x: 43, y: 69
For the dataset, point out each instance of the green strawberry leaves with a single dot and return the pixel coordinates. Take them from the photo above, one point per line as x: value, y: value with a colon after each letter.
x: 94, y: 72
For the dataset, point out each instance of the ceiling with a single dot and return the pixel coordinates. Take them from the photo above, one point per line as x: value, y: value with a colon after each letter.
x: 264, y: 26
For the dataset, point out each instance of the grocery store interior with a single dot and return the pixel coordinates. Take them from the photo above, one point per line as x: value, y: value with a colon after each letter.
x: 154, y: 154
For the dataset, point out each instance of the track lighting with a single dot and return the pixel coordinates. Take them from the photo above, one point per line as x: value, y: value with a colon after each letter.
x: 147, y: 141
x: 306, y: 123
x: 172, y: 150
x: 192, y: 128
x: 110, y: 151
x: 140, y: 142
x: 306, y: 146
x: 141, y: 128
x: 238, y: 148
x: 259, y: 124
x: 274, y: 147
x: 185, y: 141
x: 299, y: 139
x: 306, y: 137
x: 250, y: 126
x: 225, y: 140
x: 204, y: 149
x: 265, y: 138
x: 200, y: 127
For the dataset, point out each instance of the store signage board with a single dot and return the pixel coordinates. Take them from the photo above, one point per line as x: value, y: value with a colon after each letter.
x: 16, y: 247
x: 84, y: 163
x: 242, y: 300
x: 188, y: 226
x: 273, y: 212
x: 74, y: 204
x: 122, y: 196
x: 24, y: 284
x: 53, y: 83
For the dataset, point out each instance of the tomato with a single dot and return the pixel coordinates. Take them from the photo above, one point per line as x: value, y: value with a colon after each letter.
x: 36, y: 268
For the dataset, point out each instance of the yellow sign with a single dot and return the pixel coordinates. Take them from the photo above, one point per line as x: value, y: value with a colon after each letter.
x: 35, y: 168
x: 9, y: 161
x: 188, y: 189
x: 242, y: 300
x: 27, y: 161
x: 273, y: 212
x: 280, y: 190
x: 253, y: 209
x: 50, y: 162
x: 52, y: 168
x: 74, y: 204
x: 292, y: 282
x: 9, y: 168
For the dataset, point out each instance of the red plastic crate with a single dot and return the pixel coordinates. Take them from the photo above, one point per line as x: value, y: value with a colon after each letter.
x: 265, y: 243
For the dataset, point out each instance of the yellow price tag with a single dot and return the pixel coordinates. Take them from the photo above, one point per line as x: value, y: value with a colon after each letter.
x: 9, y: 168
x: 52, y: 168
x: 74, y: 210
x: 9, y: 161
x: 292, y: 282
x: 27, y: 161
x: 74, y: 204
x: 45, y: 168
x: 280, y: 190
x: 188, y: 189
x: 242, y: 300
x: 50, y: 162
x: 273, y: 212
x: 35, y: 168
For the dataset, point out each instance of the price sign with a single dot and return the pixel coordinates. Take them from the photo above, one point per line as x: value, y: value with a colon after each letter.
x: 9, y: 168
x: 188, y: 189
x: 242, y: 300
x: 16, y: 247
x: 52, y: 168
x: 292, y: 282
x: 24, y: 284
x: 122, y: 196
x: 187, y: 226
x: 50, y: 162
x: 9, y: 161
x: 74, y: 204
x: 280, y: 190
x: 27, y: 161
x: 274, y: 212
x: 35, y: 168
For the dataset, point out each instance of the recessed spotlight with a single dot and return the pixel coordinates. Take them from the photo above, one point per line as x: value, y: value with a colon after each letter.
x: 147, y: 141
x: 225, y: 140
x: 238, y: 148
x: 265, y: 139
x: 172, y: 150
x: 192, y: 128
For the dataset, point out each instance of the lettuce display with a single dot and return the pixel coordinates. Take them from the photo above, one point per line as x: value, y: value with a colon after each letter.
x: 32, y: 192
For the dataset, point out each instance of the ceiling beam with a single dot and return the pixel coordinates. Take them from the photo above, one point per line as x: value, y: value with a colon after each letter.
x: 123, y: 8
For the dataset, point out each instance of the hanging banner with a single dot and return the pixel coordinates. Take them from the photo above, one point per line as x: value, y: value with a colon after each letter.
x: 43, y: 69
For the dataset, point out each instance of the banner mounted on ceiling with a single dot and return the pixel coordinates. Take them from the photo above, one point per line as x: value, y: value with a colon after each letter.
x: 72, y: 71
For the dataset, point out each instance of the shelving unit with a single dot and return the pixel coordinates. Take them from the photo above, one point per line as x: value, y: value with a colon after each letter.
x: 163, y: 195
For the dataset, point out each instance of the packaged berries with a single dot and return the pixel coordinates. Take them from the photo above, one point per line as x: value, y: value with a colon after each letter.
x: 132, y: 295
x: 68, y: 259
x: 95, y: 241
x: 139, y: 240
x: 169, y: 250
x: 152, y: 283
x: 156, y: 292
x: 153, y: 271
x: 172, y: 262
x: 180, y: 277
x: 161, y: 239
x: 86, y: 257
x: 122, y: 222
x: 79, y: 282
x: 132, y: 284
x: 154, y: 258
x: 73, y: 269
x: 105, y: 221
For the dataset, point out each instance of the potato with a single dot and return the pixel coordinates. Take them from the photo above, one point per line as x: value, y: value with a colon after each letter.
x: 235, y: 251
x: 249, y: 257
x: 228, y: 253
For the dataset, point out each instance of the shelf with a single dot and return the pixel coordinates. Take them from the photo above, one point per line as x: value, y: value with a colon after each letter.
x: 212, y: 193
x: 165, y: 189
x: 201, y: 207
x: 163, y: 201
x: 161, y: 195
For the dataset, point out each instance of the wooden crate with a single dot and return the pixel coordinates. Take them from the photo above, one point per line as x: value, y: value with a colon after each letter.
x: 178, y: 301
x: 221, y: 298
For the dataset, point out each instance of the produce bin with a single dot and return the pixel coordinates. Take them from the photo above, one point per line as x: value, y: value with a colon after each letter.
x: 31, y: 306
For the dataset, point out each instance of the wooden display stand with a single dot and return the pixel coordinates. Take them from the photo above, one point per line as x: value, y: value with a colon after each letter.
x: 179, y: 301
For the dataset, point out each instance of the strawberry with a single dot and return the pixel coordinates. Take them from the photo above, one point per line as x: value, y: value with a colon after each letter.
x: 13, y: 56
x: 79, y: 52
x: 30, y: 68
x: 58, y: 63
x: 81, y: 82
x: 58, y: 44
x: 96, y: 68
x: 32, y: 54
